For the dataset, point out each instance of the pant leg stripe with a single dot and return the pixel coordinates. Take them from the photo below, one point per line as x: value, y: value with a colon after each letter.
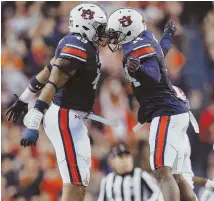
x: 156, y: 142
x: 74, y: 153
x: 69, y: 148
x: 63, y: 140
x: 165, y: 139
x: 160, y: 141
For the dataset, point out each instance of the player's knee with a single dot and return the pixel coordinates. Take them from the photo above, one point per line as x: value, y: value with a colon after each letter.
x: 163, y: 174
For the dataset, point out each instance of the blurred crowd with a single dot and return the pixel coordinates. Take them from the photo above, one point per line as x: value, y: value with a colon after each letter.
x: 30, y: 33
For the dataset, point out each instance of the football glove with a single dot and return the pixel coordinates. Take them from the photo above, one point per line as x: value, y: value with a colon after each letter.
x: 133, y: 63
x: 170, y: 28
x: 30, y: 137
x: 19, y: 108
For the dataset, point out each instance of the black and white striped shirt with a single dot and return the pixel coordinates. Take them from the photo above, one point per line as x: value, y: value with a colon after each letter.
x: 135, y: 186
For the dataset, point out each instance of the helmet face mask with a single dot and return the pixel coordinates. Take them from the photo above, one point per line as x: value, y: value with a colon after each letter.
x: 114, y: 39
x: 100, y: 37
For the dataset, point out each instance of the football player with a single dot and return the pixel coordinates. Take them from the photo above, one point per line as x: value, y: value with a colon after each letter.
x: 69, y: 81
x: 187, y: 167
x: 145, y: 68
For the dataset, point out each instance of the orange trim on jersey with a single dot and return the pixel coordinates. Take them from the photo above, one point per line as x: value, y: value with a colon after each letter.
x: 162, y: 132
x: 69, y: 147
x: 143, y: 51
x: 75, y: 52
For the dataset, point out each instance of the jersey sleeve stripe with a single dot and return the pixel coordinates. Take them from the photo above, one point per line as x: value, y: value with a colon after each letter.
x: 77, y: 47
x: 75, y: 52
x: 143, y: 52
x: 139, y: 47
x: 146, y: 55
x: 72, y: 56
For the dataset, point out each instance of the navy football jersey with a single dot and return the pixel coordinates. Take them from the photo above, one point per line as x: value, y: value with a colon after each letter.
x: 152, y: 88
x: 79, y: 91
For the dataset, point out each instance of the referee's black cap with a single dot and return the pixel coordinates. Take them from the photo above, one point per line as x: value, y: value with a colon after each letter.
x: 119, y: 149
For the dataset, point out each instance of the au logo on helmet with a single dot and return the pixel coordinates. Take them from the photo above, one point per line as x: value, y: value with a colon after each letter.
x: 87, y: 14
x: 125, y: 21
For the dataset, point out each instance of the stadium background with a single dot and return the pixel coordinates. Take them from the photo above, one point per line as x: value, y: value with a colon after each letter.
x: 30, y: 32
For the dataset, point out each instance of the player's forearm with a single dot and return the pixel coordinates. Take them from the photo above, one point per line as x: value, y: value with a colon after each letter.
x: 47, y: 94
x: 35, y: 85
x: 166, y: 43
x: 150, y: 68
x: 43, y: 76
x: 56, y: 80
x: 199, y: 181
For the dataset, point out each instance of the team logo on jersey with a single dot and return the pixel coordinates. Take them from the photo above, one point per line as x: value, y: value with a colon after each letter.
x: 87, y: 14
x: 125, y: 21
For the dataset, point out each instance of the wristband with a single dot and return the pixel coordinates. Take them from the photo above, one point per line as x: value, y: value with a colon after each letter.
x: 36, y: 84
x: 41, y: 106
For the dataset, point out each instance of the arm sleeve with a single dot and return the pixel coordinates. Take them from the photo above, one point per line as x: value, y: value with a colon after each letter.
x: 166, y: 43
x: 102, y: 194
x: 150, y: 69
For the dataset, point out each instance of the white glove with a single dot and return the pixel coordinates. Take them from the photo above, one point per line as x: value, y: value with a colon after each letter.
x: 32, y: 119
x: 210, y: 184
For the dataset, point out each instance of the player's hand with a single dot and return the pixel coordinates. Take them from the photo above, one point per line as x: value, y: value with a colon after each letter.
x: 170, y: 28
x: 210, y: 184
x: 30, y: 137
x: 133, y: 63
x: 16, y: 110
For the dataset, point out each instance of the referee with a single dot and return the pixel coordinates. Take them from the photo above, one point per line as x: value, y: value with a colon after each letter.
x: 127, y: 183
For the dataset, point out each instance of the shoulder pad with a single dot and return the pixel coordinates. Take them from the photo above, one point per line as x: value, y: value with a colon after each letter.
x: 72, y: 46
x: 75, y: 40
x: 148, y: 34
